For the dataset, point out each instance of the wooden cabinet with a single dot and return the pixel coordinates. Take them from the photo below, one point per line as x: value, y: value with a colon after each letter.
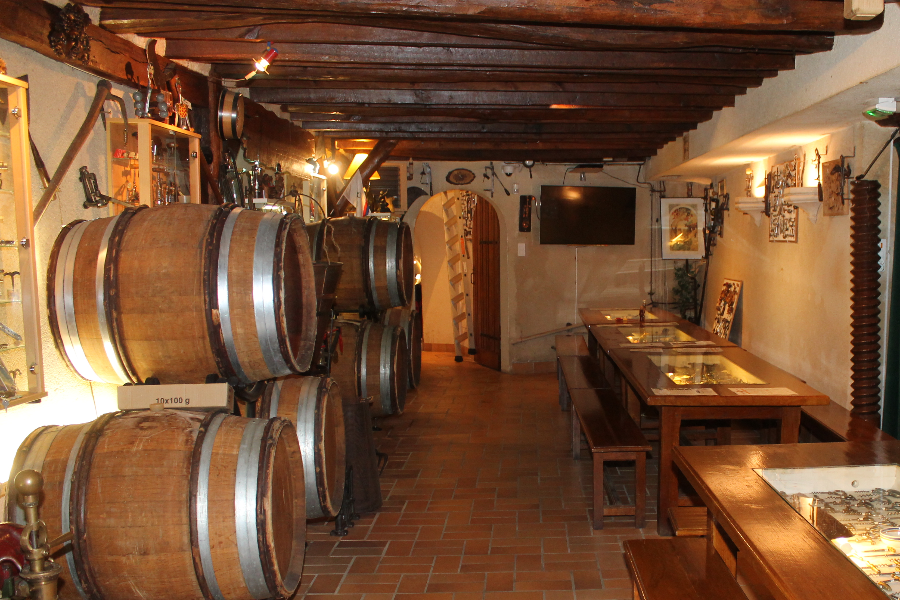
x: 21, y: 369
x: 154, y: 164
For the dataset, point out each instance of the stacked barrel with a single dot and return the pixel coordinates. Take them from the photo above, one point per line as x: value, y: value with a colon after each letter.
x: 190, y: 293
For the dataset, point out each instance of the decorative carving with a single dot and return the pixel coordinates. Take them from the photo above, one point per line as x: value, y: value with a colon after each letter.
x: 67, y: 33
x: 782, y: 214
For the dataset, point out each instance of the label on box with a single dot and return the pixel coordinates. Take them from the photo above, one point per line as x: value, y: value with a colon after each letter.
x: 190, y: 396
x: 684, y: 392
x: 761, y: 391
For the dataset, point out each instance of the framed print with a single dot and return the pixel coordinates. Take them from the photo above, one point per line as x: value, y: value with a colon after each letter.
x: 726, y: 307
x: 682, y: 221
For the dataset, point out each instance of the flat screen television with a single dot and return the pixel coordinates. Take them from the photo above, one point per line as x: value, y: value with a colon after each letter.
x: 587, y: 216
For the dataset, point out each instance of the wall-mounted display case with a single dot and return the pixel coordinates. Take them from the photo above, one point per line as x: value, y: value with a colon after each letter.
x: 154, y: 164
x: 21, y: 369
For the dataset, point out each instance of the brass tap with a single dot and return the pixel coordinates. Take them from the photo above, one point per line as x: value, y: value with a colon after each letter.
x: 40, y: 576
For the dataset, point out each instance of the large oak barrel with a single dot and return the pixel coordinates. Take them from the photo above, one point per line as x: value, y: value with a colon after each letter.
x: 374, y: 363
x: 183, y: 291
x: 378, y: 271
x: 172, y: 504
x: 313, y: 405
x: 327, y: 276
x: 361, y: 455
x: 408, y: 320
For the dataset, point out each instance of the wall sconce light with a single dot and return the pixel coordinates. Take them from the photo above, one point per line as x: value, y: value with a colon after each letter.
x: 262, y: 65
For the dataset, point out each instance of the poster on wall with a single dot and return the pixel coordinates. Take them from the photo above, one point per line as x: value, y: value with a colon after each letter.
x: 726, y: 307
x: 782, y: 213
x: 682, y: 222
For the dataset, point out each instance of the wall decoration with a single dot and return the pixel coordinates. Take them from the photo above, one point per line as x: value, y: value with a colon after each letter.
x: 836, y: 201
x: 726, y: 307
x: 683, y: 221
x: 782, y: 213
x: 460, y: 177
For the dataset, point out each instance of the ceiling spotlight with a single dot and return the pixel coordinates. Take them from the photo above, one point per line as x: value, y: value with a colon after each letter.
x: 332, y: 168
x: 262, y: 65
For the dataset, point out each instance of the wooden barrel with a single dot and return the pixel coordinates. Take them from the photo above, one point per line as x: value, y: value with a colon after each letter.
x: 408, y: 320
x: 313, y: 405
x: 378, y: 270
x: 374, y: 363
x: 182, y: 291
x: 172, y: 504
x: 327, y: 277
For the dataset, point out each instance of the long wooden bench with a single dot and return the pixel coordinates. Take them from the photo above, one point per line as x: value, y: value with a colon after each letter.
x: 834, y: 423
x: 688, y: 521
x: 611, y: 435
x: 576, y: 373
x: 678, y: 569
x: 567, y: 345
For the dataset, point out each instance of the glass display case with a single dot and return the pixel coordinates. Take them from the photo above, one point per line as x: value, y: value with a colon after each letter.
x: 627, y: 314
x: 856, y: 507
x: 654, y: 334
x: 21, y: 373
x: 153, y: 163
x: 702, y: 369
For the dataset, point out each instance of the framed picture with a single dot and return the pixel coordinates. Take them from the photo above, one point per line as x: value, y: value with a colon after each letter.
x: 682, y: 222
x: 726, y: 307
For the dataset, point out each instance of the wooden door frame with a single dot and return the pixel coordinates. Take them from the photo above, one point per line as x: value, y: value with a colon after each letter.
x: 506, y: 263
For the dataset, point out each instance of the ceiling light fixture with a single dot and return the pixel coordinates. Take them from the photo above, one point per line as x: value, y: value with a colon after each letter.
x: 262, y: 65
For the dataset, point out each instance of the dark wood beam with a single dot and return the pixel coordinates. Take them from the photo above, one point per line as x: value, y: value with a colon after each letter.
x: 458, y: 75
x: 461, y: 98
x: 785, y: 15
x: 443, y: 153
x: 244, y: 51
x: 354, y: 30
x: 510, y: 86
x: 335, y: 128
x: 620, y: 115
x: 27, y: 23
x: 599, y: 139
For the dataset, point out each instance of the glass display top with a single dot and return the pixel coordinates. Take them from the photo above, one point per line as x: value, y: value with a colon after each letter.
x: 657, y: 333
x: 856, y: 507
x: 702, y: 369
x: 627, y: 314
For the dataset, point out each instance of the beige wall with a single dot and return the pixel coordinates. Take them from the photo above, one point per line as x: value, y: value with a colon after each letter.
x: 542, y: 290
x: 429, y: 238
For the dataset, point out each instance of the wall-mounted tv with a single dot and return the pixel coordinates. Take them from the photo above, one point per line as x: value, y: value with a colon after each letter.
x: 587, y: 216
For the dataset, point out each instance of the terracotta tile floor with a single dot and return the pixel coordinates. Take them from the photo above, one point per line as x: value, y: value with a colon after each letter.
x: 482, y: 500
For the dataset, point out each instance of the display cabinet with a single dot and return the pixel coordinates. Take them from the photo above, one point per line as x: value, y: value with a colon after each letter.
x: 153, y: 164
x: 21, y: 369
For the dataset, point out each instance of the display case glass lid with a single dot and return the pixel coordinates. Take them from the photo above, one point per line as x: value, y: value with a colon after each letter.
x: 654, y: 333
x: 702, y: 369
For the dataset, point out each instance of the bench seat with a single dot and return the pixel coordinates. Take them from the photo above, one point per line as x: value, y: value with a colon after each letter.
x: 678, y: 569
x: 578, y: 372
x: 611, y: 435
x: 834, y: 423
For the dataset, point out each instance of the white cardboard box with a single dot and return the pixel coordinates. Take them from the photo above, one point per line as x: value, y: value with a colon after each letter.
x: 189, y: 396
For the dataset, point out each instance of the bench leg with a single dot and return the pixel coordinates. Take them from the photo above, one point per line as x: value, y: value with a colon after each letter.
x: 576, y: 436
x: 640, y: 489
x: 598, y: 491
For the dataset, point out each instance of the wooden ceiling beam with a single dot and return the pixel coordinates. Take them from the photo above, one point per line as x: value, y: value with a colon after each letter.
x: 491, y: 75
x: 244, y: 51
x: 578, y: 155
x: 599, y: 139
x: 460, y: 98
x: 618, y: 115
x: 762, y: 15
x: 334, y: 128
x: 277, y: 28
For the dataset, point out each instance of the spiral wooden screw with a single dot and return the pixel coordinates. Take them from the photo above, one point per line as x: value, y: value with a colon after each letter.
x: 865, y: 301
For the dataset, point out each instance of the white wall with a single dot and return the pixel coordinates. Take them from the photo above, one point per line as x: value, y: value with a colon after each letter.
x: 429, y: 238
x: 60, y: 97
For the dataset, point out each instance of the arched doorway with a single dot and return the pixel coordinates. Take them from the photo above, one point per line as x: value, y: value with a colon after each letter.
x: 425, y: 216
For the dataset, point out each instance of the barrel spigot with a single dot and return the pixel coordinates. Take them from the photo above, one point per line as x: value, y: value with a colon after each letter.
x: 41, y: 575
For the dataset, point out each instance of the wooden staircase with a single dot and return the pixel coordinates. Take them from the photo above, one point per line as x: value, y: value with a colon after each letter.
x: 458, y: 257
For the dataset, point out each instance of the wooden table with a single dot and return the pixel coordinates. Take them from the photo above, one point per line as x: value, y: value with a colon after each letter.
x: 610, y: 336
x: 595, y: 316
x: 647, y: 383
x: 777, y: 549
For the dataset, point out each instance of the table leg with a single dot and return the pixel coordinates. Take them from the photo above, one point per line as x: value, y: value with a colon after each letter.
x: 576, y: 435
x: 790, y: 425
x: 640, y: 490
x: 599, y: 492
x: 669, y: 427
x: 632, y: 403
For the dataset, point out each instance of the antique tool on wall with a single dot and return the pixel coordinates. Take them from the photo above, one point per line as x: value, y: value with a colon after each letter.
x: 39, y: 577
x: 13, y: 293
x: 231, y: 115
x: 6, y: 329
x: 93, y: 198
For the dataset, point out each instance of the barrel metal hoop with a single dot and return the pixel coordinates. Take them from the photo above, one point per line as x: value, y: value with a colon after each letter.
x: 65, y: 508
x: 384, y: 363
x: 222, y: 297
x: 65, y: 304
x: 35, y: 460
x: 54, y: 270
x: 81, y: 478
x: 201, y: 465
x: 326, y: 499
x: 275, y: 398
x: 390, y: 260
x: 278, y: 293
x: 111, y: 291
x: 363, y: 346
x: 212, y: 241
x: 11, y: 496
x: 370, y: 264
x: 306, y: 424
x: 264, y: 294
x: 245, y: 509
x: 100, y: 289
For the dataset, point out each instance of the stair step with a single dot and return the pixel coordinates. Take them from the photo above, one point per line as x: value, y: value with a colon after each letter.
x: 454, y: 259
x: 460, y: 317
x: 458, y: 298
x: 462, y: 338
x: 451, y: 221
x: 457, y: 278
x: 450, y: 202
